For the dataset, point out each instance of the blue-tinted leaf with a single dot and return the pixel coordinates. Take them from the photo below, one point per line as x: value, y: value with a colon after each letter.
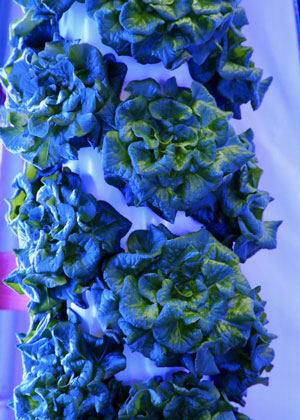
x: 88, y: 61
x: 170, y: 330
x: 148, y: 88
x: 205, y: 363
x: 136, y: 21
x: 48, y: 262
x: 134, y: 308
x: 82, y: 257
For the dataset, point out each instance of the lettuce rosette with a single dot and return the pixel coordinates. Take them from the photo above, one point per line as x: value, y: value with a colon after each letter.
x: 46, y: 8
x: 39, y: 22
x: 182, y: 301
x: 63, y: 233
x: 33, y: 32
x: 68, y: 374
x: 169, y: 31
x: 183, y: 398
x: 228, y: 72
x: 234, y: 212
x: 170, y: 148
x: 58, y: 100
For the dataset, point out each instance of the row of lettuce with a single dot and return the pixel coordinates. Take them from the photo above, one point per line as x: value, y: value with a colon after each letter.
x: 180, y: 301
x: 168, y: 148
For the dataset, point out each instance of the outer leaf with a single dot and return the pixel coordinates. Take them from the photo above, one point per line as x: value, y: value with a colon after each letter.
x: 226, y: 68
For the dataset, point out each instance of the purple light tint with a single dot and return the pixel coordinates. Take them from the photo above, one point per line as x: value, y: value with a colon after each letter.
x: 11, y: 322
x: 273, y: 35
x: 2, y: 96
x: 10, y: 165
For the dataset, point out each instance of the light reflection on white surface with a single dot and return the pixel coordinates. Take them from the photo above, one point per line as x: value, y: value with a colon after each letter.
x: 88, y: 317
x: 139, y: 368
x: 1, y: 153
x: 89, y: 167
x: 272, y: 34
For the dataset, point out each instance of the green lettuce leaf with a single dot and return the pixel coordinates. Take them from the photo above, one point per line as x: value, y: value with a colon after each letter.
x: 33, y: 32
x: 234, y: 212
x: 46, y: 6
